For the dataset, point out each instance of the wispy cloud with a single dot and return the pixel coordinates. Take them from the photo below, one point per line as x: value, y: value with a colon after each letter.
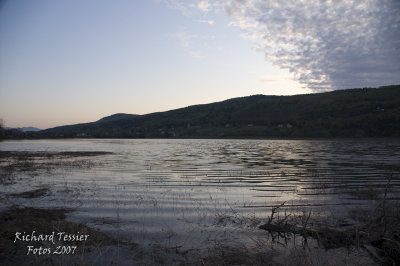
x: 185, y: 41
x: 326, y: 44
x: 185, y: 7
x: 210, y: 21
x: 276, y: 77
x: 191, y: 7
x: 184, y: 38
x: 204, y: 5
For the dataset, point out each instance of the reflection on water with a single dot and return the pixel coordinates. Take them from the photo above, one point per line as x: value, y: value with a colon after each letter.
x: 174, y: 191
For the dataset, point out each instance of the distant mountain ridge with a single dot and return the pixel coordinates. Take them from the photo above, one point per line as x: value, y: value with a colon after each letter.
x: 25, y: 129
x: 366, y: 112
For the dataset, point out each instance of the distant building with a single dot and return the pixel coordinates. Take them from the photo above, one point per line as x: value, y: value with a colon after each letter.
x: 288, y: 125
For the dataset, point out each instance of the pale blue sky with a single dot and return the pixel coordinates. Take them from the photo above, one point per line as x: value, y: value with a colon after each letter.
x: 66, y: 62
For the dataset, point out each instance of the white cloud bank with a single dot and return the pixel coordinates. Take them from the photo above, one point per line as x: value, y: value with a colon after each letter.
x: 326, y: 44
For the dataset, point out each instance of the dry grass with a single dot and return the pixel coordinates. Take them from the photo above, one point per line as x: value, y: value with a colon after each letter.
x: 376, y: 230
x: 235, y: 254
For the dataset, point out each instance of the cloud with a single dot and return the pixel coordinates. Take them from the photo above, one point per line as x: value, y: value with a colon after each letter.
x: 204, y: 5
x: 185, y: 7
x: 194, y: 7
x: 210, y: 21
x: 326, y: 44
x: 276, y: 77
x: 185, y: 41
x: 183, y: 38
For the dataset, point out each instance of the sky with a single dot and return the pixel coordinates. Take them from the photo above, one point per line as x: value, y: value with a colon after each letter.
x: 67, y: 62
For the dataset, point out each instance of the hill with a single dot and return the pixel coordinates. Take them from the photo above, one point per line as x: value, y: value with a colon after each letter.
x: 23, y: 129
x: 366, y: 112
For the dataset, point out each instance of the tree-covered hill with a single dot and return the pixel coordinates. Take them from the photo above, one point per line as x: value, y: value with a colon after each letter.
x: 367, y: 112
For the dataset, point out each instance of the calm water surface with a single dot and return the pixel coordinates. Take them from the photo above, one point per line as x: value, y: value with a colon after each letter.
x: 192, y: 192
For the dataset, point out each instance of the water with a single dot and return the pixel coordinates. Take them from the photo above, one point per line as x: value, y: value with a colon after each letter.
x: 190, y: 193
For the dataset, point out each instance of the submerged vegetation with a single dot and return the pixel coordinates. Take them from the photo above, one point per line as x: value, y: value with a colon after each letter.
x: 221, y: 232
x: 375, y: 230
x: 372, y: 238
x: 32, y: 163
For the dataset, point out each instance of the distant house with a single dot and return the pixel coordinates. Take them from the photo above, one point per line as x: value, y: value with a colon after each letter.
x: 171, y: 132
x: 288, y: 125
